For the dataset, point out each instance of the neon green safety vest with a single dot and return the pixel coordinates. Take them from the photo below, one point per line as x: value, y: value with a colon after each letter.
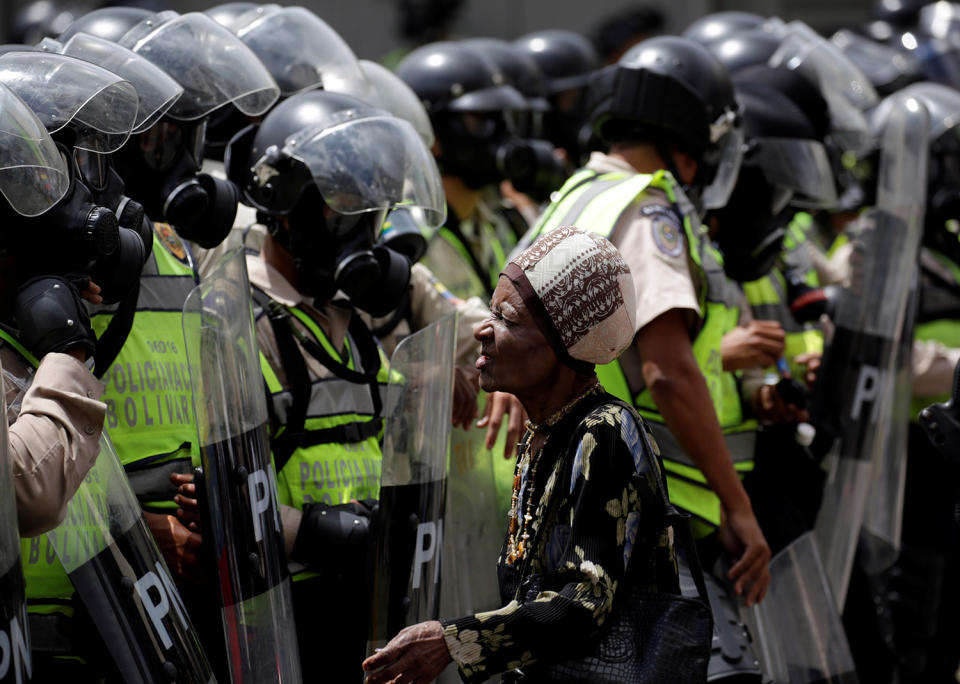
x: 943, y: 330
x: 768, y: 300
x: 595, y: 202
x: 455, y: 265
x: 338, y: 471
x: 148, y: 393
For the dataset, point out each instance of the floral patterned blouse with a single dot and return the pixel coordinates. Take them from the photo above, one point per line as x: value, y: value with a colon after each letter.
x: 600, y: 501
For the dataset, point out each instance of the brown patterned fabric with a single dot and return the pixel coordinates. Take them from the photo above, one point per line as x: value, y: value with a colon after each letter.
x: 585, y: 289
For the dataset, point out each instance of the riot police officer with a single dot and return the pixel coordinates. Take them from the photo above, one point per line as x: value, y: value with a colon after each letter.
x: 566, y: 59
x: 668, y: 155
x: 56, y: 418
x: 323, y: 370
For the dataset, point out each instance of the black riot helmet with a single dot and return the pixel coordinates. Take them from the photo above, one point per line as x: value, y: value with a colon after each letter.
x: 473, y: 111
x: 720, y: 25
x: 784, y: 162
x: 322, y: 170
x: 566, y: 59
x: 672, y: 91
x: 744, y: 49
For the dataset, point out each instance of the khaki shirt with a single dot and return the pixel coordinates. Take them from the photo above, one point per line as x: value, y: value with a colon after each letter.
x: 430, y: 300
x: 55, y: 421
x: 662, y: 274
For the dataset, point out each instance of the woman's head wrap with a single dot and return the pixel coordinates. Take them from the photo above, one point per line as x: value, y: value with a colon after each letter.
x: 580, y: 292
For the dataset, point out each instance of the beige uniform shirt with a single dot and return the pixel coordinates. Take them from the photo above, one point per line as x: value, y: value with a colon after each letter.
x: 650, y: 236
x: 55, y: 420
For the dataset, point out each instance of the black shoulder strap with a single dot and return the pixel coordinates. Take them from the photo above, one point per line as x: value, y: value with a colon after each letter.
x: 295, y: 435
x: 295, y: 370
x: 113, y: 338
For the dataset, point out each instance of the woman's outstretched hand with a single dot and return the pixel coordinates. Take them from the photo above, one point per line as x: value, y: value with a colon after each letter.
x: 417, y: 654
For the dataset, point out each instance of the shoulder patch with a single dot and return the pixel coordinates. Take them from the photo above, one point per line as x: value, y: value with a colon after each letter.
x: 666, y: 227
x: 168, y: 236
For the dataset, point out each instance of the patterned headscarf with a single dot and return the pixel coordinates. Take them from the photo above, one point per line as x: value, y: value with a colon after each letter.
x: 581, y: 295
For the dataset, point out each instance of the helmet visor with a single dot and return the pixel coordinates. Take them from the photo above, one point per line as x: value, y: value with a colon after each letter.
x: 369, y: 164
x: 157, y: 91
x: 799, y: 165
x: 730, y: 146
x: 33, y: 173
x: 881, y: 64
x: 825, y: 64
x: 390, y: 93
x: 98, y: 104
x: 299, y: 49
x: 210, y: 63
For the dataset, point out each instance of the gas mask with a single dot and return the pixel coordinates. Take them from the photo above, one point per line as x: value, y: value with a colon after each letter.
x: 108, y: 191
x: 161, y: 168
x: 335, y: 251
x: 481, y: 149
x: 77, y: 235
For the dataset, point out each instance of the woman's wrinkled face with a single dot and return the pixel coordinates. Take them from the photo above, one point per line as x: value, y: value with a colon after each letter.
x: 515, y: 356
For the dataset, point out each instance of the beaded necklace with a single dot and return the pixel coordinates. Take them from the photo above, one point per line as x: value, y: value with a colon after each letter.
x: 518, y: 541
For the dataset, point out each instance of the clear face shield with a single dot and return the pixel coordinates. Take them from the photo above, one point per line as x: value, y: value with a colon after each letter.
x: 33, y: 174
x: 726, y: 139
x: 846, y: 89
x: 211, y: 64
x: 156, y: 90
x: 300, y: 50
x: 100, y: 106
x: 391, y: 94
x: 801, y: 167
x: 373, y: 163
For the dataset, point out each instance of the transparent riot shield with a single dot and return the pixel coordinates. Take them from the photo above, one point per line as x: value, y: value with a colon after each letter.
x: 850, y: 400
x: 15, y: 663
x: 241, y: 518
x: 408, y: 533
x: 475, y: 523
x: 883, y: 518
x: 797, y: 631
x: 119, y: 574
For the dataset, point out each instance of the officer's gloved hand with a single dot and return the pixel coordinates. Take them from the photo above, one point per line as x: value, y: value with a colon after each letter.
x: 334, y: 538
x: 52, y: 318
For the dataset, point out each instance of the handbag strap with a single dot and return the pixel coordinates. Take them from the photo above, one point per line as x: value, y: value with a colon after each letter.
x: 680, y: 522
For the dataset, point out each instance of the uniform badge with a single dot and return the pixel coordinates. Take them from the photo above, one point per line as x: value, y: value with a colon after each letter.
x: 168, y: 236
x: 667, y: 232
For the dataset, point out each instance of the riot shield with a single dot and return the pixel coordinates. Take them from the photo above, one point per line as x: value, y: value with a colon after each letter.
x: 859, y: 360
x: 116, y: 568
x: 883, y: 518
x: 408, y: 533
x: 475, y: 524
x: 797, y: 630
x: 241, y: 518
x: 15, y: 663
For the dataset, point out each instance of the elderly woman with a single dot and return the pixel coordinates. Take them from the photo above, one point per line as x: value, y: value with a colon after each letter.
x: 588, y: 495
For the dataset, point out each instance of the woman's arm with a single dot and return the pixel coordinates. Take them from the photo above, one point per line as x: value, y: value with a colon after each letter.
x: 610, y: 485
